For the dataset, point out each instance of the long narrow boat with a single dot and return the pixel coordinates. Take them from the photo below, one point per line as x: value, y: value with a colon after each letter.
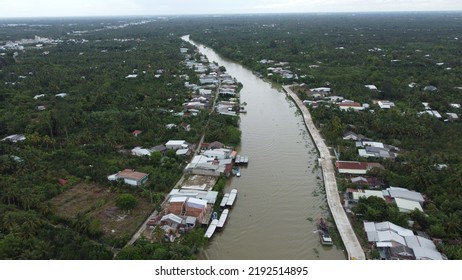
x: 223, y: 217
x: 211, y: 229
x: 224, y: 200
x: 231, y: 198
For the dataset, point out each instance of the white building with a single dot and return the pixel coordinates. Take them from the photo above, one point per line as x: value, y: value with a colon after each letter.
x: 176, y: 144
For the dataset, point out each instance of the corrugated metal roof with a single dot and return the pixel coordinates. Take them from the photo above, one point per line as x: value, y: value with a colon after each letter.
x: 174, y: 199
x: 196, y: 203
x: 407, y: 205
x: 172, y: 217
x: 405, y: 193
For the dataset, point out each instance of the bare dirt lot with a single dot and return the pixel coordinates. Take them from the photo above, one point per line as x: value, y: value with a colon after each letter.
x: 100, y: 202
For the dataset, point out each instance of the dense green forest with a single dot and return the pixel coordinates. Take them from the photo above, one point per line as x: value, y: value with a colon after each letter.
x: 66, y: 87
x: 400, y: 54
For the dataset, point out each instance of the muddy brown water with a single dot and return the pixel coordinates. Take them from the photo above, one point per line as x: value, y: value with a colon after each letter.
x: 280, y: 192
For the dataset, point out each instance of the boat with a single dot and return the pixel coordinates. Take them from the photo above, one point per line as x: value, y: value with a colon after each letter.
x: 211, y: 229
x: 231, y: 198
x: 323, y: 230
x: 223, y: 217
x: 237, y: 171
x: 224, y: 200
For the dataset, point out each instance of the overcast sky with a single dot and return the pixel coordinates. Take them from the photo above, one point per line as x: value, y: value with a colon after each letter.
x: 63, y: 8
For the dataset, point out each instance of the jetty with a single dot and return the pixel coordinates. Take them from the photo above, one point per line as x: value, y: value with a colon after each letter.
x: 231, y: 198
x: 349, y: 238
x: 223, y: 217
x: 211, y: 229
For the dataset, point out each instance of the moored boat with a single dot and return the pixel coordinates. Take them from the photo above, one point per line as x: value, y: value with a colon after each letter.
x: 232, y: 197
x: 323, y: 230
x: 211, y: 229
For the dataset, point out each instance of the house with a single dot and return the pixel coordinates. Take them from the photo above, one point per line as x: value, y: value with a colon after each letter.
x: 335, y: 98
x: 371, y: 87
x: 39, y: 96
x: 452, y: 116
x: 406, y: 205
x: 390, y: 239
x: 183, y: 50
x: 321, y: 89
x: 218, y: 153
x: 183, y: 152
x: 376, y: 149
x: 371, y: 182
x: 430, y: 88
x: 355, y: 194
x: 136, y: 132
x: 396, y: 192
x: 62, y: 95
x: 131, y: 76
x: 138, y: 151
x: 41, y: 107
x: 176, y: 144
x: 194, y: 105
x: 171, y: 126
x: 202, y: 165
x: 350, y: 135
x: 176, y: 205
x: 355, y: 167
x: 196, y: 207
x: 205, y: 91
x: 214, y: 145
x: 159, y: 148
x: 15, y: 138
x: 130, y: 177
x: 385, y: 104
x: 346, y: 105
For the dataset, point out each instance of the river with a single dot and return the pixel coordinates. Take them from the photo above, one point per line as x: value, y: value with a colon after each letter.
x: 280, y: 193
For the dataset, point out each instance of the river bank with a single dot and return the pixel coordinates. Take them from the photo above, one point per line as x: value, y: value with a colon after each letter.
x: 347, y: 234
x: 280, y: 194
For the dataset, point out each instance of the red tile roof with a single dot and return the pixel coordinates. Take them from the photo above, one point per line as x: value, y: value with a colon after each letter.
x: 356, y: 165
x: 136, y: 132
x: 131, y: 174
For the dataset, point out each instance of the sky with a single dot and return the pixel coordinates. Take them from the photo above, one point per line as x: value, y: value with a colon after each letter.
x: 65, y: 8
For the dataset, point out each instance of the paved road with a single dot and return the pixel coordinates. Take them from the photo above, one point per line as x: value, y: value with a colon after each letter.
x: 347, y: 234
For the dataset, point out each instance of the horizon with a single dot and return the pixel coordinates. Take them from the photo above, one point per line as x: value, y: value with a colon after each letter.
x: 229, y: 14
x: 138, y: 8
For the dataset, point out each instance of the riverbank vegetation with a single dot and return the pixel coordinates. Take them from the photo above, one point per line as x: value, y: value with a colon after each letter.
x: 119, y: 76
x: 412, y: 60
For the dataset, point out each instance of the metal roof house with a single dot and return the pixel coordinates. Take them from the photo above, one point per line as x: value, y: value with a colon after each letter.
x: 356, y: 167
x: 130, y: 177
x: 395, y: 242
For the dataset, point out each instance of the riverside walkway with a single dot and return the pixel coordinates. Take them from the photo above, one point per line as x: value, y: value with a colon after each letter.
x: 347, y: 234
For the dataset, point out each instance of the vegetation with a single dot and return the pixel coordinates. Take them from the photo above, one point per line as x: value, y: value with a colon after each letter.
x: 401, y: 54
x: 77, y: 92
x: 84, y: 136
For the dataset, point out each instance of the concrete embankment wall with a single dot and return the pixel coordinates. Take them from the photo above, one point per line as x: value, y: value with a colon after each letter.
x: 352, y: 245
